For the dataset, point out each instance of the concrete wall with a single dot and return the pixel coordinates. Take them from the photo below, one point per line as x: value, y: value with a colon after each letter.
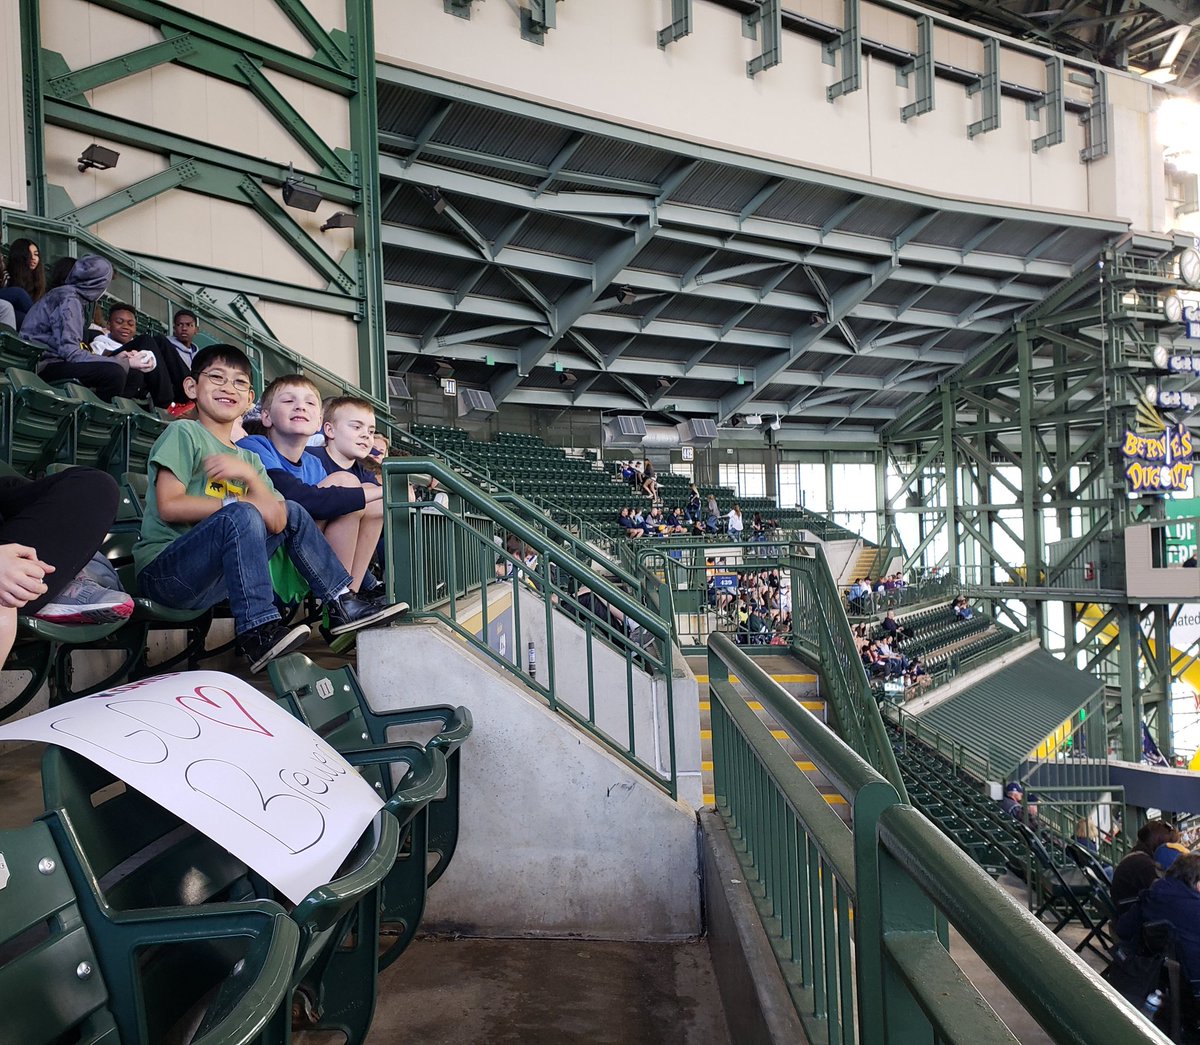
x: 603, y: 60
x: 559, y: 837
x: 12, y: 110
x: 610, y: 688
x: 184, y: 226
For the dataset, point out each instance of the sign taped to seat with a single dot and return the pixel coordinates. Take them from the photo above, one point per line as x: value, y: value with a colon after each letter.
x: 224, y: 758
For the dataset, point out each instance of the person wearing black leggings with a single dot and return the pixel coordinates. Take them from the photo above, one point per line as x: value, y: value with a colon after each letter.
x: 49, y: 529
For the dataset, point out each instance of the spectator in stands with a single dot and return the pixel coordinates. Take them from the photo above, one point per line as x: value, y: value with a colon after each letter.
x: 962, y: 609
x: 338, y: 502
x: 25, y: 269
x: 625, y: 521
x: 1174, y: 899
x: 733, y: 522
x: 916, y: 676
x: 692, y: 510
x: 213, y: 519
x: 49, y: 530
x: 17, y: 298
x: 649, y: 481
x: 58, y: 321
x: 858, y: 596
x: 122, y: 337
x: 632, y: 475
x: 1011, y: 802
x: 1138, y: 870
x: 894, y: 629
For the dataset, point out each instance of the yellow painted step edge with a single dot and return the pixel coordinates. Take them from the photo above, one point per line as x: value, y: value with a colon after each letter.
x: 833, y: 800
x: 807, y: 767
x: 778, y: 734
x: 754, y: 705
x: 782, y: 679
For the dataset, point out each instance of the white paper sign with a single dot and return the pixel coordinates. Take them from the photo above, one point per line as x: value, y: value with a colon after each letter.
x: 227, y: 760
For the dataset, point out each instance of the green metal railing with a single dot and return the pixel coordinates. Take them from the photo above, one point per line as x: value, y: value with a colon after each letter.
x: 821, y: 635
x: 450, y: 563
x: 856, y: 914
x: 157, y: 297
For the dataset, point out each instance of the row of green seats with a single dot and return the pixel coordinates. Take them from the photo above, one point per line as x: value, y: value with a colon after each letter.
x: 151, y: 932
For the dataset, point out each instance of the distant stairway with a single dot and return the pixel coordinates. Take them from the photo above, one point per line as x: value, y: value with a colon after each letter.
x: 797, y: 679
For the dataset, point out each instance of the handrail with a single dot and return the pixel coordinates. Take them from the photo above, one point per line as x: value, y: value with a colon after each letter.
x: 270, y: 356
x: 821, y: 630
x: 855, y: 911
x: 407, y: 533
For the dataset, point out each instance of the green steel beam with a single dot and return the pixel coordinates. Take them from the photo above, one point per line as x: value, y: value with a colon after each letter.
x: 681, y: 23
x: 1053, y: 101
x: 328, y: 49
x: 848, y: 44
x: 72, y: 85
x: 311, y: 70
x: 237, y: 282
x: 922, y: 68
x: 989, y: 86
x: 143, y: 136
x: 537, y: 19
x: 33, y: 105
x: 359, y: 43
x: 218, y: 60
x: 436, y: 87
x: 769, y: 16
x: 178, y: 174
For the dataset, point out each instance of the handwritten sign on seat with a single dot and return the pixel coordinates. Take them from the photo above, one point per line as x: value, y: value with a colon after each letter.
x: 224, y: 758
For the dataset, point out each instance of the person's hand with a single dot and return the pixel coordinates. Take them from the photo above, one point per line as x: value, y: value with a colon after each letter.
x: 227, y: 466
x: 143, y: 361
x: 22, y: 575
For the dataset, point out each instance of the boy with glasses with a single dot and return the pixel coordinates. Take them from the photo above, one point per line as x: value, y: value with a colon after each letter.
x: 213, y: 519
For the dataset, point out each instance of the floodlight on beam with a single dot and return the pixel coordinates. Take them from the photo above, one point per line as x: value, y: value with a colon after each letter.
x: 99, y: 157
x: 567, y: 378
x: 340, y: 220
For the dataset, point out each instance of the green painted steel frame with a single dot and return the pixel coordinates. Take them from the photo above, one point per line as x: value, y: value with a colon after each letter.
x: 884, y: 976
x: 343, y: 63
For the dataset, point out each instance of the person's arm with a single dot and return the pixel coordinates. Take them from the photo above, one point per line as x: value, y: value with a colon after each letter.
x: 259, y: 491
x: 68, y: 336
x: 321, y: 502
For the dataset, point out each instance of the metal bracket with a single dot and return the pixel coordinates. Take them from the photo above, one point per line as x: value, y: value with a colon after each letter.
x: 849, y: 43
x: 1096, y: 121
x: 989, y: 85
x: 1053, y: 102
x: 461, y: 8
x: 681, y: 23
x: 770, y: 16
x: 537, y: 19
x: 922, y: 67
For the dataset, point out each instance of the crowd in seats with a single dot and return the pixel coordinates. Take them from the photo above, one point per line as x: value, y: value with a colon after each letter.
x: 756, y: 606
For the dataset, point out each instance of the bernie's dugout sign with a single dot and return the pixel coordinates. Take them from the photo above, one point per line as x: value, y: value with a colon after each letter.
x: 225, y: 759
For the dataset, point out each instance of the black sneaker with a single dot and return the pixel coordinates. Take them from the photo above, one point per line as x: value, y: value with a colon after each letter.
x: 350, y: 612
x: 268, y: 641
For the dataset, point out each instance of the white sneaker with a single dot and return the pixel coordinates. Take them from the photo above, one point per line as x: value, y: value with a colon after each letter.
x: 84, y: 601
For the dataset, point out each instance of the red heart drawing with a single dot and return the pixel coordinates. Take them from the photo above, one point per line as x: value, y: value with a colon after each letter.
x: 224, y: 714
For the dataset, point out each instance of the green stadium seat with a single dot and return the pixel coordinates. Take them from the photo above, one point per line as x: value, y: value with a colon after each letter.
x: 127, y: 856
x: 57, y: 984
x: 38, y: 420
x: 99, y: 428
x: 332, y: 704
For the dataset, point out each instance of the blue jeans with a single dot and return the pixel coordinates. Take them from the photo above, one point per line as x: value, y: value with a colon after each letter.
x: 225, y: 556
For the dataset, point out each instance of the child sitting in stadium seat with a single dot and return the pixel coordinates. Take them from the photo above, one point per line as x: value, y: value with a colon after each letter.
x: 213, y: 519
x: 338, y: 502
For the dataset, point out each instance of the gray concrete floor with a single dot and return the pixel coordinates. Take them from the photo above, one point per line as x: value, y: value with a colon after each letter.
x: 552, y: 991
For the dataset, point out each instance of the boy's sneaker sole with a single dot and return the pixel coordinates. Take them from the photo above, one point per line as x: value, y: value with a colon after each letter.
x: 380, y: 616
x: 65, y: 613
x: 289, y: 639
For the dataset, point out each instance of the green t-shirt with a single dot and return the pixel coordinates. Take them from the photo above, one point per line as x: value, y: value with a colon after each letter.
x: 181, y: 450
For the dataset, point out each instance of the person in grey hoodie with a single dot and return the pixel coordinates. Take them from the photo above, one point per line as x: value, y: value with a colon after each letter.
x: 59, y: 321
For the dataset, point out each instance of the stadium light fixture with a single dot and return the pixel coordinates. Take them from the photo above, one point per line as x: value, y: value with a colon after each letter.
x: 300, y: 194
x: 340, y: 220
x: 99, y: 157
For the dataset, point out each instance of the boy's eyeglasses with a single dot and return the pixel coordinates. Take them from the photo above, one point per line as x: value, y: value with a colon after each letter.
x: 219, y: 380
